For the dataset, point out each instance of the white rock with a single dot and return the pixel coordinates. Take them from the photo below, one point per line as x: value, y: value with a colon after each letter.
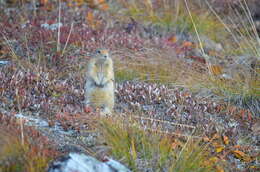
x: 52, y: 27
x: 83, y: 163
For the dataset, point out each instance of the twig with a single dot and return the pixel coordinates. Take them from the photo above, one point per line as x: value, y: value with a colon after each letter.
x: 71, y: 27
x: 22, y: 132
x: 58, y: 39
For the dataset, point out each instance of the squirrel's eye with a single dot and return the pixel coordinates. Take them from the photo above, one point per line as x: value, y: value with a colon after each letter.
x: 98, y: 51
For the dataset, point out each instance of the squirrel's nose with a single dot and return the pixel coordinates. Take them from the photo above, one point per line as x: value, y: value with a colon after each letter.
x: 105, y: 56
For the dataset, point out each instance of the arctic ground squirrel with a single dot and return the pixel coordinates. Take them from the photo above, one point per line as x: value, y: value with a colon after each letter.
x: 99, y: 86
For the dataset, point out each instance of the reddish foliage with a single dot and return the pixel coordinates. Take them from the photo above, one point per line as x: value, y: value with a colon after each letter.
x: 37, y: 143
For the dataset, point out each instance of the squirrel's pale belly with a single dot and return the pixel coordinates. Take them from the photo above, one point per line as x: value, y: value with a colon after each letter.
x: 100, y: 97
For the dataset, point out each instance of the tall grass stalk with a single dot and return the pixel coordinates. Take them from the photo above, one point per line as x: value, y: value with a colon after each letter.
x: 68, y: 38
x: 58, y: 37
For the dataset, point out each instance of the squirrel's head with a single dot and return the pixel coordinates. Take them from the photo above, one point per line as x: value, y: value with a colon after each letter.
x: 102, y: 53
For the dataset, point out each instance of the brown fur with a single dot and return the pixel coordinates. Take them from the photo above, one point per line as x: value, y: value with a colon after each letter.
x: 99, y: 87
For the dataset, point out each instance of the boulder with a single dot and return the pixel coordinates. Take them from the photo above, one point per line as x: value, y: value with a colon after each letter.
x: 79, y: 162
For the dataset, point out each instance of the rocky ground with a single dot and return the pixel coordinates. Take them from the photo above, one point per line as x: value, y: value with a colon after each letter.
x: 45, y: 87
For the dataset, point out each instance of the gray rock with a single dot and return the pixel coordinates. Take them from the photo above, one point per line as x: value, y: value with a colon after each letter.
x: 52, y: 27
x: 83, y: 163
x: 209, y: 44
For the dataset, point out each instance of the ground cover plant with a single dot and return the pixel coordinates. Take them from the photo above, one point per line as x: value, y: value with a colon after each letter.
x: 23, y: 148
x: 153, y: 151
x: 187, y: 81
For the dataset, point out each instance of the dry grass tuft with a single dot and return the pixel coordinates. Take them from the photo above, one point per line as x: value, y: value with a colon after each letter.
x: 141, y: 148
x: 23, y: 149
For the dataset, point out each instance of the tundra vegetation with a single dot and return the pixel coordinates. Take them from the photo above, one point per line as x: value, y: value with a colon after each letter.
x: 187, y: 83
